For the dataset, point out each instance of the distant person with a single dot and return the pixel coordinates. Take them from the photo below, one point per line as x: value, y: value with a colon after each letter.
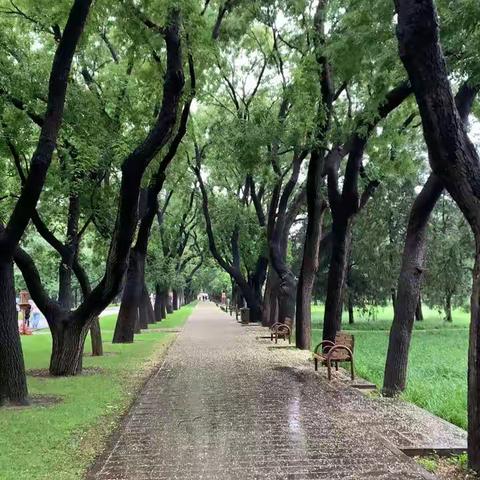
x: 34, y: 314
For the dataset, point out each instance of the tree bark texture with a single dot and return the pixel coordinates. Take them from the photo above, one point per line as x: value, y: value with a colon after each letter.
x: 12, y: 369
x: 128, y: 316
x: 315, y: 203
x: 346, y: 203
x: 408, y: 288
x: 13, y: 382
x: 159, y: 308
x: 453, y: 159
x: 408, y: 301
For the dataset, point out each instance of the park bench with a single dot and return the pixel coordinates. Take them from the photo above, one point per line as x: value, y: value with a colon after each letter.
x: 335, y: 352
x: 282, y: 330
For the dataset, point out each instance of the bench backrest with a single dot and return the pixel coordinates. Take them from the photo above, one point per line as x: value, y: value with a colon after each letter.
x: 346, y: 339
x: 289, y: 322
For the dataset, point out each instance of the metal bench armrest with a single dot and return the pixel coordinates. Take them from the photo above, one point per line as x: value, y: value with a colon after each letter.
x: 272, y: 327
x: 281, y: 327
x: 326, y: 343
x: 339, y: 347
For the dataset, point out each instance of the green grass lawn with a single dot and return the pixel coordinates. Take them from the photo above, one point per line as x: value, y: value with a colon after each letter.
x: 65, y: 437
x: 437, y: 373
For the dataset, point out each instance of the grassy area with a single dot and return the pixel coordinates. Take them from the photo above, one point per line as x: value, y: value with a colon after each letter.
x: 65, y: 437
x: 437, y: 372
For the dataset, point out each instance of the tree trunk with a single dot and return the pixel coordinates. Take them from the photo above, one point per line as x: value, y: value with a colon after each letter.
x: 163, y: 305
x: 145, y: 308
x: 257, y: 279
x: 474, y: 366
x: 448, y: 307
x: 286, y: 283
x: 270, y: 313
x: 308, y: 272
x: 274, y: 310
x: 419, y: 310
x: 453, y: 158
x: 341, y: 238
x: 65, y: 294
x: 128, y: 316
x: 168, y: 302
x: 393, y: 294
x: 253, y: 303
x: 68, y: 339
x: 13, y: 382
x: 96, y: 338
x: 159, y: 306
x: 408, y: 288
x: 351, y: 317
x: 315, y: 203
x: 174, y: 299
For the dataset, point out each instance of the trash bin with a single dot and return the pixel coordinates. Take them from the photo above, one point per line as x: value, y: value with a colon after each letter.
x: 245, y: 315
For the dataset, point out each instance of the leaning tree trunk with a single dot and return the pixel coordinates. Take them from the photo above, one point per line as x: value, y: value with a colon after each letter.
x: 13, y: 384
x: 68, y: 339
x: 308, y: 273
x: 408, y: 288
x: 453, y: 158
x: 412, y: 267
x: 96, y: 338
x: 286, y: 283
x: 128, y: 318
x: 65, y: 293
x: 341, y: 239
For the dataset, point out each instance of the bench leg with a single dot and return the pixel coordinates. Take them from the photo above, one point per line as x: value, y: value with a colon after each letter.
x: 271, y: 337
x: 316, y: 364
x: 276, y: 338
x: 289, y: 340
x: 352, y: 369
x: 336, y: 366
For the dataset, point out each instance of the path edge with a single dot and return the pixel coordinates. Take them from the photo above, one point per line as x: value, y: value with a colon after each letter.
x: 99, y: 461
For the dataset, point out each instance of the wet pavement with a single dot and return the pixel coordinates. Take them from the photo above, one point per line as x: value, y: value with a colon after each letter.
x: 226, y: 404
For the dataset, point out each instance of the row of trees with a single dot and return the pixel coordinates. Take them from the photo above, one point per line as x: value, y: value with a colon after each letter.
x: 271, y: 148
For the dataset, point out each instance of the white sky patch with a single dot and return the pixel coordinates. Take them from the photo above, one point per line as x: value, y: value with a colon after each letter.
x: 194, y: 106
x: 36, y: 44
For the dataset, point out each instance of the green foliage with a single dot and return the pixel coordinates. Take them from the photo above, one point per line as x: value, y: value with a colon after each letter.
x: 449, y: 258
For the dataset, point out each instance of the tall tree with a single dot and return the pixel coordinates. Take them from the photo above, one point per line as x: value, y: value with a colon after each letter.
x: 135, y: 291
x: 452, y: 157
x: 69, y: 328
x: 12, y: 371
x: 346, y: 203
x: 413, y: 266
x: 316, y: 204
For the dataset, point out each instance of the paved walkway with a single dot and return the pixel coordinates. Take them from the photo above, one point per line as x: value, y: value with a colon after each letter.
x: 228, y: 405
